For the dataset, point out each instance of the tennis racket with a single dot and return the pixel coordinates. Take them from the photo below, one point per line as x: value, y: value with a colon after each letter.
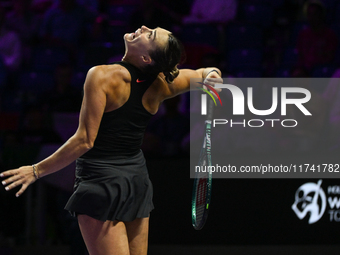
x: 201, y: 194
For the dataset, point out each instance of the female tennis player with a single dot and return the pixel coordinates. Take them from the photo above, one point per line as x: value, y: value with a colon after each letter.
x: 113, y: 193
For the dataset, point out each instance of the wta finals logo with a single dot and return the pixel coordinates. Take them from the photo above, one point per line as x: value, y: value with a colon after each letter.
x: 310, y: 199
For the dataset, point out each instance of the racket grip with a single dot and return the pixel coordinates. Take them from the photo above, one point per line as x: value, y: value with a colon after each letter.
x: 210, y: 109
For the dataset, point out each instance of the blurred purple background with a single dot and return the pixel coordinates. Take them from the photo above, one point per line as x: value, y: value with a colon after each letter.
x: 47, y: 46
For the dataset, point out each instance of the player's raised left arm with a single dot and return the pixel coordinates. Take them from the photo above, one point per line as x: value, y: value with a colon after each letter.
x: 181, y: 84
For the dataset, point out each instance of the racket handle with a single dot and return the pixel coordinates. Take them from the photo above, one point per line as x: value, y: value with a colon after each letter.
x: 210, y: 109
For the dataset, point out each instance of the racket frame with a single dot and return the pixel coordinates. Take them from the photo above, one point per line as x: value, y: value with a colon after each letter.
x: 206, y: 149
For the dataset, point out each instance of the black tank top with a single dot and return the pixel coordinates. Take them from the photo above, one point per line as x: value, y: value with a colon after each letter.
x: 121, y: 131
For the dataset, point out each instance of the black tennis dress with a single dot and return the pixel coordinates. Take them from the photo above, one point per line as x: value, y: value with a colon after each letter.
x: 112, y: 181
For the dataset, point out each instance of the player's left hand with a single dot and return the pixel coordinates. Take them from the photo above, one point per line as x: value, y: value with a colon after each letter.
x: 212, y: 79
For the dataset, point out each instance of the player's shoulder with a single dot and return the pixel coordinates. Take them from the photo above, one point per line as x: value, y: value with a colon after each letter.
x: 119, y: 71
x: 110, y: 73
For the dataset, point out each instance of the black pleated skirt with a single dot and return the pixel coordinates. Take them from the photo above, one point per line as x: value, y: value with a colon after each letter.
x: 114, y: 189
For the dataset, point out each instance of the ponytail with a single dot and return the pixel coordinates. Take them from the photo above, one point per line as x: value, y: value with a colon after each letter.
x: 170, y: 76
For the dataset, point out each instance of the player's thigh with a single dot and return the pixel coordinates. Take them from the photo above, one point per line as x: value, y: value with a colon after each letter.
x: 138, y: 234
x: 104, y: 238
